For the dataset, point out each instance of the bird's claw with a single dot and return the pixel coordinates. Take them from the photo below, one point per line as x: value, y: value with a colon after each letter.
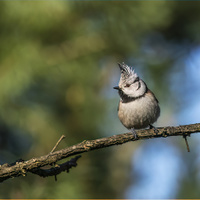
x: 134, y: 133
x: 154, y: 129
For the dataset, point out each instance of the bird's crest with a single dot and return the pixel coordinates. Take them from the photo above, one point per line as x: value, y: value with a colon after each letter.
x: 127, y: 72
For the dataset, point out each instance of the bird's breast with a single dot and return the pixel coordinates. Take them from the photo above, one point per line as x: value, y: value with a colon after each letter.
x: 140, y: 112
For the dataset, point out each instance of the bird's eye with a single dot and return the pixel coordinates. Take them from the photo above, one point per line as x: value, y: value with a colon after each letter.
x: 127, y: 85
x: 137, y: 79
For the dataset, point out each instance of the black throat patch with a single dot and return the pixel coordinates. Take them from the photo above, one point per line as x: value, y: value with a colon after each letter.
x: 126, y: 99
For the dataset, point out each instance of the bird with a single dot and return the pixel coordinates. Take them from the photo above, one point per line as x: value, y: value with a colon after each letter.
x: 138, y: 107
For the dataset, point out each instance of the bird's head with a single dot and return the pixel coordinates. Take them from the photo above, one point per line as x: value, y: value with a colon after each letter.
x: 130, y: 84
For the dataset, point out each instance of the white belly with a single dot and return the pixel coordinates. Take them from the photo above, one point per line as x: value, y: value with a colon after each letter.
x: 139, y: 113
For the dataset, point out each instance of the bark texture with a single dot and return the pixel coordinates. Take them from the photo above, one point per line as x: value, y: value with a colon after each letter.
x: 21, y: 168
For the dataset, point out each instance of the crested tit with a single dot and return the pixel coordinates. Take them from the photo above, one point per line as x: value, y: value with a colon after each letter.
x: 138, y: 107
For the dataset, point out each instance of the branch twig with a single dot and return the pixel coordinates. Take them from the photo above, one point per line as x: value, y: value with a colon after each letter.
x: 61, y: 138
x: 21, y: 168
x: 186, y: 142
x: 53, y: 171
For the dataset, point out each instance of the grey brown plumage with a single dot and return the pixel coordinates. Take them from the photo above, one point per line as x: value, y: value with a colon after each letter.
x: 138, y: 107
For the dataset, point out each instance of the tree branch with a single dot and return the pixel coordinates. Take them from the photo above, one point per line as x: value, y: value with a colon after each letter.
x: 53, y: 171
x: 20, y: 168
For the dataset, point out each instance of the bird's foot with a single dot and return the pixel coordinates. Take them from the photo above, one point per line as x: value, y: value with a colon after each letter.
x: 154, y: 129
x: 133, y: 131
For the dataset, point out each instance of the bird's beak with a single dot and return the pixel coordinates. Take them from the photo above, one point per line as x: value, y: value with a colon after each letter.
x: 116, y: 88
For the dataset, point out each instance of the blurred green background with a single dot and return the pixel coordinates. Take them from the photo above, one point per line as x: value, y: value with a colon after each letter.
x: 58, y: 64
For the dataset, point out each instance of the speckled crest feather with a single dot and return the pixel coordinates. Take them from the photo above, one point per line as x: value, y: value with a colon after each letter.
x: 127, y: 73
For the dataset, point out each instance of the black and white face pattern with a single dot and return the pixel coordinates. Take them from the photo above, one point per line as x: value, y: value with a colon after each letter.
x: 130, y: 84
